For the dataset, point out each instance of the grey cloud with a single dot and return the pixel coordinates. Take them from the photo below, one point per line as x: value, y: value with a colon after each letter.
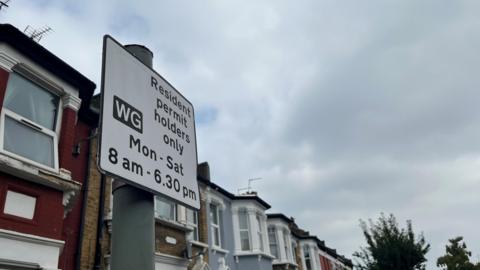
x: 345, y: 108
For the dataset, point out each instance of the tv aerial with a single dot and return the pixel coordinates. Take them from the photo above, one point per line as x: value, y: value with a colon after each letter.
x: 37, y: 34
x: 249, y: 188
x: 4, y: 3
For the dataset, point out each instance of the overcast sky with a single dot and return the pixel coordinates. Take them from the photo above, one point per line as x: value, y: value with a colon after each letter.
x: 346, y: 109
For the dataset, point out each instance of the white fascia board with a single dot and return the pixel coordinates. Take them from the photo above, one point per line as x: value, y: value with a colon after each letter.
x: 278, y: 223
x: 216, y: 197
x: 249, y: 205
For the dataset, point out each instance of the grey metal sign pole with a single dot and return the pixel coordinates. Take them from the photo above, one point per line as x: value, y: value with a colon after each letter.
x: 133, y: 222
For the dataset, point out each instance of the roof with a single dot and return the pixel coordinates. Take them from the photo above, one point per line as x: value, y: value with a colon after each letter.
x: 252, y: 196
x: 216, y: 187
x: 305, y: 235
x: 34, y: 51
x: 204, y: 177
x: 279, y: 216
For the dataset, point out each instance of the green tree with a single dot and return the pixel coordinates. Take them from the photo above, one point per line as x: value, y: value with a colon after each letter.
x: 457, y: 257
x: 389, y: 247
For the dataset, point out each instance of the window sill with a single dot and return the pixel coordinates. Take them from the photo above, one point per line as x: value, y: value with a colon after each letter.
x: 174, y: 224
x: 218, y: 249
x: 253, y: 253
x: 277, y: 262
x: 61, y: 181
x: 169, y: 259
x: 199, y: 244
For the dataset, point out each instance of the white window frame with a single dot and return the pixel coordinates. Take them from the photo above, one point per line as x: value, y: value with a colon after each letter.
x: 216, y: 226
x: 173, y: 204
x: 286, y: 242
x: 333, y: 265
x: 272, y: 227
x: 240, y: 230
x: 194, y: 225
x: 293, y: 247
x: 55, y: 134
x: 306, y: 254
x: 259, y: 230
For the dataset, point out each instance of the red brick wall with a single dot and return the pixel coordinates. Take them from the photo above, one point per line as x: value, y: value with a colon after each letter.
x: 77, y: 165
x: 49, y: 220
x: 48, y: 216
x: 66, y: 140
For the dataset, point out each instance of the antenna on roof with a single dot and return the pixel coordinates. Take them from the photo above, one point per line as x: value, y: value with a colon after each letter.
x: 249, y: 188
x: 4, y: 3
x: 37, y: 34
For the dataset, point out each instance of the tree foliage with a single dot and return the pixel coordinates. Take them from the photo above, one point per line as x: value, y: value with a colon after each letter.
x: 457, y: 256
x: 389, y: 247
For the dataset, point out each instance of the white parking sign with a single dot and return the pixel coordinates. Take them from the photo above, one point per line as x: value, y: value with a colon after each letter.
x: 147, y: 128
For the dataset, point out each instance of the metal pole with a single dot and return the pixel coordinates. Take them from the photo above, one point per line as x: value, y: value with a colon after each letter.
x: 133, y: 222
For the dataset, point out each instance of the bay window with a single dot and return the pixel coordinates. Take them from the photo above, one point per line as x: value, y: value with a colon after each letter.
x: 244, y: 228
x: 30, y: 122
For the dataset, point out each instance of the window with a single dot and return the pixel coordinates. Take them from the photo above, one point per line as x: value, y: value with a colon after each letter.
x: 272, y: 241
x: 333, y: 266
x: 259, y: 232
x: 29, y: 118
x: 294, y: 251
x: 192, y: 220
x: 317, y: 258
x: 215, y: 222
x: 306, y: 254
x: 165, y: 209
x: 287, y: 244
x: 244, y: 230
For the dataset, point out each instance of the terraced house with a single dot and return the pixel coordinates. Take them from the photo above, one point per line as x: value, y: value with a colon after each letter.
x: 45, y: 125
x: 283, y: 244
x: 56, y: 206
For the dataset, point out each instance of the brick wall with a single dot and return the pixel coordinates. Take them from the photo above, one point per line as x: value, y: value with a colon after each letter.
x: 88, y: 249
x: 298, y: 257
x: 3, y: 85
x: 202, y: 227
x: 77, y: 165
x: 163, y: 231
x: 93, y: 196
x: 67, y: 140
x: 106, y: 237
x: 48, y: 216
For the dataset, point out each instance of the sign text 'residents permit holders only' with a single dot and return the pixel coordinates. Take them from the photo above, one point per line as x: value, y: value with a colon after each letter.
x: 147, y: 133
